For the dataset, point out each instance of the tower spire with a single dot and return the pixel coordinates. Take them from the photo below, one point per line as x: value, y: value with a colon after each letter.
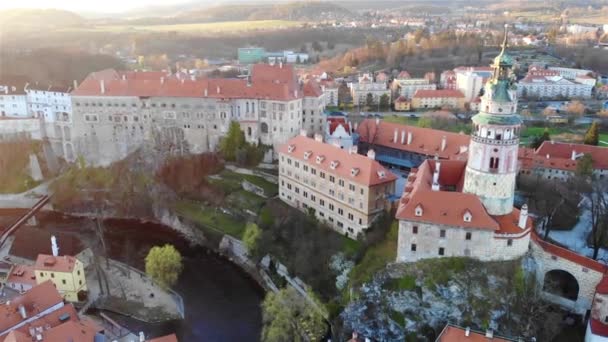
x: 504, y: 42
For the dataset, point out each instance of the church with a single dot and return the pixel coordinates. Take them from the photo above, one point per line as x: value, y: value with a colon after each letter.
x: 453, y: 208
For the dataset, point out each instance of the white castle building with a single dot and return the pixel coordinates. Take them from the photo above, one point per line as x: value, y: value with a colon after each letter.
x: 465, y: 208
x: 115, y: 113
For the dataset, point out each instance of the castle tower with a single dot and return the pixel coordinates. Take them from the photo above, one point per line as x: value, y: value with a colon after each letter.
x: 492, y: 163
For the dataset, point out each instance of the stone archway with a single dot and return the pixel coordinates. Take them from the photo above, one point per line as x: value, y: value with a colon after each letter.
x: 561, y: 283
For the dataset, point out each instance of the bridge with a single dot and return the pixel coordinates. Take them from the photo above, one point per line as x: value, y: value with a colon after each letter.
x: 568, y: 279
x: 23, y: 219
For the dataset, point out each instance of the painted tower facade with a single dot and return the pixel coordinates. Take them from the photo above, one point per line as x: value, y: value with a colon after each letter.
x: 492, y: 165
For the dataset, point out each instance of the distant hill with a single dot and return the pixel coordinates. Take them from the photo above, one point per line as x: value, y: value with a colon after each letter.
x: 298, y: 11
x: 38, y: 19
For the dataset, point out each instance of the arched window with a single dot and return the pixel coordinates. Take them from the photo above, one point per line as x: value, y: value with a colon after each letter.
x: 247, y: 107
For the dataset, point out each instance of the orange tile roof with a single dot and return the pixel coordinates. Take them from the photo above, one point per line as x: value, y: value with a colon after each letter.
x: 17, y: 336
x: 273, y: 84
x: 457, y: 334
x: 50, y: 263
x: 71, y: 331
x: 425, y: 141
x: 568, y: 254
x: 312, y: 89
x: 437, y: 93
x: 564, y: 151
x: 22, y: 274
x: 168, y: 338
x: 36, y: 300
x: 369, y: 170
x: 67, y: 313
x: 443, y: 206
x: 509, y: 223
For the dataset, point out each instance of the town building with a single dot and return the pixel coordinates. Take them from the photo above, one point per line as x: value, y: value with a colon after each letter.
x: 454, y: 333
x: 570, y: 73
x: 65, y: 272
x: 313, y: 106
x: 339, y: 186
x: 407, y: 87
x: 253, y: 55
x: 339, y: 132
x: 405, y: 147
x: 116, y: 113
x: 366, y: 85
x: 597, y: 327
x: 330, y: 90
x: 465, y: 208
x: 470, y: 84
x: 558, y: 160
x: 549, y: 87
x: 13, y: 98
x: 447, y: 79
x: 440, y: 98
x: 402, y: 104
x: 21, y: 278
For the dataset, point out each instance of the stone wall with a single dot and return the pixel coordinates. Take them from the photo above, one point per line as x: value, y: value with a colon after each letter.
x: 17, y: 128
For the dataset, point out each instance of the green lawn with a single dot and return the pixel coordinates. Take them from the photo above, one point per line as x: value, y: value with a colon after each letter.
x: 217, y: 27
x: 245, y: 200
x: 404, y: 120
x: 232, y: 178
x: 604, y: 138
x: 211, y: 218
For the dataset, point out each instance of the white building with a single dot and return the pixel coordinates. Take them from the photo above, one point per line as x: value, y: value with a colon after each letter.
x: 313, y: 106
x: 581, y: 29
x: 552, y: 86
x: 330, y: 90
x: 13, y: 100
x: 408, y: 87
x: 366, y: 85
x: 570, y: 73
x: 469, y: 84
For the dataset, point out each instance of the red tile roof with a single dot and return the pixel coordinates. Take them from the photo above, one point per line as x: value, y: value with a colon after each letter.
x: 425, y: 141
x: 438, y: 93
x: 168, y: 338
x: 602, y: 287
x: 35, y: 301
x: 443, y: 206
x: 564, y: 151
x: 268, y: 82
x: 67, y: 313
x: 404, y: 75
x: 598, y: 328
x: 22, y: 274
x: 335, y: 122
x: 369, y: 171
x: 312, y: 89
x: 51, y: 263
x: 17, y: 336
x: 457, y: 334
x: 473, y: 68
x: 71, y: 331
x: 568, y: 254
x: 401, y: 99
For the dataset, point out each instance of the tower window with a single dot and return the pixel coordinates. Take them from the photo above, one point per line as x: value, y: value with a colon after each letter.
x: 468, y: 236
x: 441, y: 251
x: 413, y: 247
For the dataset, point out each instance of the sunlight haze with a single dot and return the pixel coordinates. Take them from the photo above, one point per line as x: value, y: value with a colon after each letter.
x: 92, y: 6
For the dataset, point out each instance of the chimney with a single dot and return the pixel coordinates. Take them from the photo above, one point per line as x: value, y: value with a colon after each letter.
x: 435, y: 186
x: 54, y: 246
x: 443, y: 143
x: 303, y: 132
x: 102, y: 85
x: 409, y: 137
x: 548, y: 156
x: 356, y: 126
x: 353, y: 149
x: 124, y: 77
x: 218, y: 89
x: 371, y: 154
x: 467, y: 332
x: 295, y: 93
x: 162, y: 80
x: 489, y: 333
x: 395, y: 135
x: 75, y: 84
x: 377, y: 121
x: 573, y: 155
x: 318, y: 137
x: 523, y: 216
x: 402, y: 137
x: 206, y: 92
x: 22, y: 311
x: 281, y: 64
x: 142, y: 337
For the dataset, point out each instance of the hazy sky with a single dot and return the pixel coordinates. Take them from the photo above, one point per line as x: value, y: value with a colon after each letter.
x: 86, y: 5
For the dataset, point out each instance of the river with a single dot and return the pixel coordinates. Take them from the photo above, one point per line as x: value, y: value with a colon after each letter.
x: 222, y: 303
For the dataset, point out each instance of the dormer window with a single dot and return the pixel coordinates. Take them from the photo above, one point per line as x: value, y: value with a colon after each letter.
x: 291, y: 148
x: 467, y: 217
x: 320, y: 159
x: 418, y: 210
x: 307, y: 154
x: 354, y: 171
x: 382, y: 174
x: 334, y: 164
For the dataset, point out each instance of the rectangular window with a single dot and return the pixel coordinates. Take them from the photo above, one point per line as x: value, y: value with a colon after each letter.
x: 441, y: 251
x: 415, y: 230
x: 341, y: 182
x: 442, y: 233
x: 351, y: 187
x: 322, y: 174
x: 468, y: 236
x: 332, y: 179
x: 510, y: 242
x: 340, y: 211
x: 413, y: 247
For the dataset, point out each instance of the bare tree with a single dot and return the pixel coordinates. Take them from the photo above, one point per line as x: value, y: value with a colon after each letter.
x: 597, y: 205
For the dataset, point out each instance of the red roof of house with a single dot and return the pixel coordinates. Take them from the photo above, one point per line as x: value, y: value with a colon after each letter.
x: 425, y: 141
x: 337, y: 121
x: 268, y: 82
x: 598, y: 328
x: 404, y: 75
x: 72, y: 331
x: 602, y: 287
x: 64, y: 263
x: 312, y: 89
x: 473, y: 68
x: 564, y: 151
x: 66, y: 312
x: 457, y: 334
x: 35, y: 301
x: 370, y: 172
x: 438, y: 93
x: 401, y: 99
x: 568, y: 254
x: 22, y: 274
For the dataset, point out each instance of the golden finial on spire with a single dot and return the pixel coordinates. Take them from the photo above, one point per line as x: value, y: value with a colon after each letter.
x: 504, y: 42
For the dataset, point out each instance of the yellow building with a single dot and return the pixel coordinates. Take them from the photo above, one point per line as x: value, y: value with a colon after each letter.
x: 402, y: 104
x: 438, y: 99
x: 65, y: 272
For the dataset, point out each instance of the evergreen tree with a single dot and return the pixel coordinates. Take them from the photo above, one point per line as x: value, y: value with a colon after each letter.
x: 538, y: 140
x: 592, y: 137
x: 232, y: 142
x: 384, y: 101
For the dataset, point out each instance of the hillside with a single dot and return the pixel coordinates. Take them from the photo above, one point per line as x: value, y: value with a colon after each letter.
x: 295, y: 11
x: 38, y: 19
